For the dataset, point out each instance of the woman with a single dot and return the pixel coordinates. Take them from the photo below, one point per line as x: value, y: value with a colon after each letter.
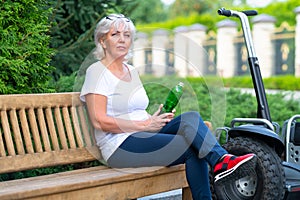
x: 129, y: 137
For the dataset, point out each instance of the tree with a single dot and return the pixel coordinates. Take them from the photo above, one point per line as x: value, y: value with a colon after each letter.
x: 282, y: 11
x: 149, y: 11
x: 24, y: 46
x: 187, y: 7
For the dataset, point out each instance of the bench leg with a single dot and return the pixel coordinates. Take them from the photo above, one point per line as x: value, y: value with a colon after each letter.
x: 186, y: 194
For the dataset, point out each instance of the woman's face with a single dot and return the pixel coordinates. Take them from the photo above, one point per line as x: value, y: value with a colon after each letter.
x: 117, y: 42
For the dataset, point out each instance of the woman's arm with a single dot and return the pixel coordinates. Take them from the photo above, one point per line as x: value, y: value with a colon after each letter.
x: 96, y: 105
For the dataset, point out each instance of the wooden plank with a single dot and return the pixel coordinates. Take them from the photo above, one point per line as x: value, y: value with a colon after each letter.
x: 51, y: 127
x: 43, y: 130
x: 2, y: 149
x: 7, y: 134
x: 25, y: 131
x: 66, y: 117
x: 34, y: 131
x: 16, y: 132
x: 17, y: 101
x: 186, y: 194
x: 60, y: 128
x: 76, y: 126
x: 84, y: 126
x: 45, y: 159
x: 104, y: 184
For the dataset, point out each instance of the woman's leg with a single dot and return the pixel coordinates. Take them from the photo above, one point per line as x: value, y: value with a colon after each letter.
x: 225, y: 167
x: 192, y: 127
x: 148, y: 149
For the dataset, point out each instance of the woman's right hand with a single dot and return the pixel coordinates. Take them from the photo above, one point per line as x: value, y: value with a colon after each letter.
x: 157, y: 121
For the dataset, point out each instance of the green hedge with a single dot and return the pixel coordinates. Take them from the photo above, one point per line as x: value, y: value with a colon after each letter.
x: 24, y: 46
x: 218, y: 103
x: 287, y: 82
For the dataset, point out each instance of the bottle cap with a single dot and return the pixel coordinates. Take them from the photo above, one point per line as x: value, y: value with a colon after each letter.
x: 181, y: 84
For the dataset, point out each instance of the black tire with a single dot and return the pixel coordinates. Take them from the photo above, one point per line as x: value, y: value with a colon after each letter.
x: 268, y: 182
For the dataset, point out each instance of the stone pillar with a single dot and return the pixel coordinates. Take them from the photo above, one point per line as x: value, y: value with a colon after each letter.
x: 263, y: 29
x: 160, y: 43
x: 196, y: 53
x: 180, y: 51
x: 140, y: 45
x: 297, y: 42
x: 226, y: 54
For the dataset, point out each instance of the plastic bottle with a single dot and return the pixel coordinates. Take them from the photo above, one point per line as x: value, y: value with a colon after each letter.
x: 173, y: 98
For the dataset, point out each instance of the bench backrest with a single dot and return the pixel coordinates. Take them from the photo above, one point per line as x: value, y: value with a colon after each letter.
x: 41, y: 130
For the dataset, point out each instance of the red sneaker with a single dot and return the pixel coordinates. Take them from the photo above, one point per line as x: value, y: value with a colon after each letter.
x: 234, y: 167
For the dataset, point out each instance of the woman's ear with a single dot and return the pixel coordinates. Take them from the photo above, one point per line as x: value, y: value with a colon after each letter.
x: 102, y: 44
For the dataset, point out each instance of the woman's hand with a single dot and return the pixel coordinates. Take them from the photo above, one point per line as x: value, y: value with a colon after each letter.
x: 157, y: 121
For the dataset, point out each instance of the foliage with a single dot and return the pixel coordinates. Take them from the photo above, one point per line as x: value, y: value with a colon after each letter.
x: 205, y: 19
x: 287, y: 82
x: 286, y: 13
x: 24, y: 46
x: 186, y: 12
x: 148, y: 11
x: 73, y: 26
x: 199, y: 95
x: 188, y: 7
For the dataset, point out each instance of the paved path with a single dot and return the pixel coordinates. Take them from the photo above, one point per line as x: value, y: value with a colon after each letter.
x: 172, y: 195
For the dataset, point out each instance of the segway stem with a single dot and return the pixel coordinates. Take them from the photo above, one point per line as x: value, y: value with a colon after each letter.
x: 262, y: 103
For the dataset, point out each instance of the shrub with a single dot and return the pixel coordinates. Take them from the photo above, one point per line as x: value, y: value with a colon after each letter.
x: 24, y: 51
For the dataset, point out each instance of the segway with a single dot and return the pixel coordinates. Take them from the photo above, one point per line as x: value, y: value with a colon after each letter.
x: 277, y: 173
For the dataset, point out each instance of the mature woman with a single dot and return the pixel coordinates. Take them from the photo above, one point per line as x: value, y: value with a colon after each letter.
x: 130, y: 137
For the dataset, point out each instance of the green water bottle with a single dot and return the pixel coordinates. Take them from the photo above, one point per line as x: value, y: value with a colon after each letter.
x: 173, y: 98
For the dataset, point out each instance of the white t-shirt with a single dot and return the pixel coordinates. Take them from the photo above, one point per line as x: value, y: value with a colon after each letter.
x: 126, y: 100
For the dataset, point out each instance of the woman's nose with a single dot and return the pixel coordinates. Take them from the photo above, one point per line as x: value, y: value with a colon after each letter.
x: 122, y: 38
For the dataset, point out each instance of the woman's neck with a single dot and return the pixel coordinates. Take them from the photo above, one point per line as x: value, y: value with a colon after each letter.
x: 118, y: 68
x: 114, y: 65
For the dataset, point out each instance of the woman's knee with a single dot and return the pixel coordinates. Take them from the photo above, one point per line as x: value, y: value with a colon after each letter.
x: 192, y: 115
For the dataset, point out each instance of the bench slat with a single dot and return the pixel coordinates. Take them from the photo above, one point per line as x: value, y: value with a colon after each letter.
x: 7, y: 134
x: 75, y: 121
x: 85, y: 128
x: 60, y: 128
x: 16, y: 132
x: 25, y: 131
x: 34, y: 131
x: 51, y: 127
x: 39, y: 160
x: 66, y: 117
x: 2, y: 149
x: 43, y: 130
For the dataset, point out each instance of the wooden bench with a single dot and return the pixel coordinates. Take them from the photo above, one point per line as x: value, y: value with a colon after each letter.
x: 42, y: 130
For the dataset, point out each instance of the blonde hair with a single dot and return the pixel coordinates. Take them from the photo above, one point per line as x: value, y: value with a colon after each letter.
x: 104, y: 26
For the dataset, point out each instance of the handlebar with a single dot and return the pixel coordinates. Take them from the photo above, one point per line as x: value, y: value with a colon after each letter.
x: 229, y: 13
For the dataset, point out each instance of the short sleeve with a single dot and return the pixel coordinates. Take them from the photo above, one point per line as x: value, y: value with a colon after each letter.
x: 94, y: 81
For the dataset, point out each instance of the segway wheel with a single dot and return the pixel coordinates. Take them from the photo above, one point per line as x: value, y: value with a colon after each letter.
x: 267, y: 182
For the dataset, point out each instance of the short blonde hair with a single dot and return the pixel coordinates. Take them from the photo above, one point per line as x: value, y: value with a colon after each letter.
x: 104, y: 26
